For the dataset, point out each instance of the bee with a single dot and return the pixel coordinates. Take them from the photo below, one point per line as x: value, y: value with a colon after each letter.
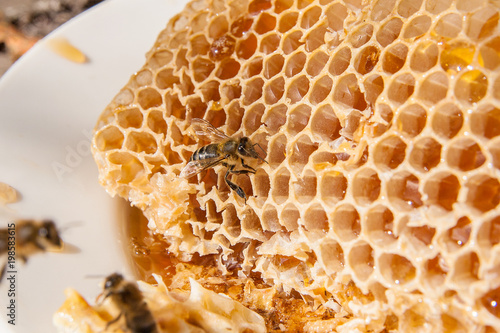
x: 128, y: 298
x: 228, y: 151
x: 27, y: 237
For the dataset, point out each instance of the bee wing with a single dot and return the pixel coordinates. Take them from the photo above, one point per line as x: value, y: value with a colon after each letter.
x: 195, y: 167
x: 206, y: 131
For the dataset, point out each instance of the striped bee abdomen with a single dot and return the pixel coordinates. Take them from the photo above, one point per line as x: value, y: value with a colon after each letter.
x: 205, y: 152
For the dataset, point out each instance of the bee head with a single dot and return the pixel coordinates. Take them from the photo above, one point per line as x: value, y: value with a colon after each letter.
x: 47, y: 233
x: 113, y: 281
x: 246, y: 149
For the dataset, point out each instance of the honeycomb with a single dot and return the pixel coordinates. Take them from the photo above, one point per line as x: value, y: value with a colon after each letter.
x: 381, y: 123
x: 175, y: 311
x: 8, y: 194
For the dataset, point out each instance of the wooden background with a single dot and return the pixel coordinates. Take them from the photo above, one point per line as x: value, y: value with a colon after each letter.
x: 23, y: 22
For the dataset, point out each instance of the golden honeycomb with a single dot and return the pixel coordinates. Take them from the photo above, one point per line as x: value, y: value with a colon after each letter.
x: 381, y: 123
x: 175, y: 311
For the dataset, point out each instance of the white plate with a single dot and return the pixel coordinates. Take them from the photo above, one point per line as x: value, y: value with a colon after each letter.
x: 48, y: 107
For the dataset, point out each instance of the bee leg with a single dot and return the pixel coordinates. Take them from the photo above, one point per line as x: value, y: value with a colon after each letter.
x: 252, y: 170
x: 241, y: 172
x: 232, y: 185
x: 111, y: 322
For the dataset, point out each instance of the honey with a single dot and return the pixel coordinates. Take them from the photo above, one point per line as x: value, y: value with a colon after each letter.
x: 148, y: 255
x: 65, y: 49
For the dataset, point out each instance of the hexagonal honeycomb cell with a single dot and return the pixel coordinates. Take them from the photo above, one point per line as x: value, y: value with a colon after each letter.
x: 380, y: 124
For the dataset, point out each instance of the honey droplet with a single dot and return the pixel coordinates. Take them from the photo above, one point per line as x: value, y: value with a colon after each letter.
x: 457, y: 56
x: 321, y: 166
x: 7, y: 194
x: 471, y: 86
x: 240, y: 26
x: 216, y: 106
x: 461, y: 232
x: 258, y: 6
x: 491, y: 302
x: 402, y: 270
x: 222, y: 48
x: 65, y: 49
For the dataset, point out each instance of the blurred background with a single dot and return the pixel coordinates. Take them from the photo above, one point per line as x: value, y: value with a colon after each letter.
x: 24, y: 22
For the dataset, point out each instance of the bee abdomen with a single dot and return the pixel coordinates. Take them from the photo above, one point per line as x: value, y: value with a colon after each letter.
x: 142, y: 323
x: 205, y: 152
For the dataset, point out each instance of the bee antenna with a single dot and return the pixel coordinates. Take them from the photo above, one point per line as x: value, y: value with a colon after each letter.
x: 260, y: 158
x: 70, y: 225
x: 263, y: 160
x: 258, y: 145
